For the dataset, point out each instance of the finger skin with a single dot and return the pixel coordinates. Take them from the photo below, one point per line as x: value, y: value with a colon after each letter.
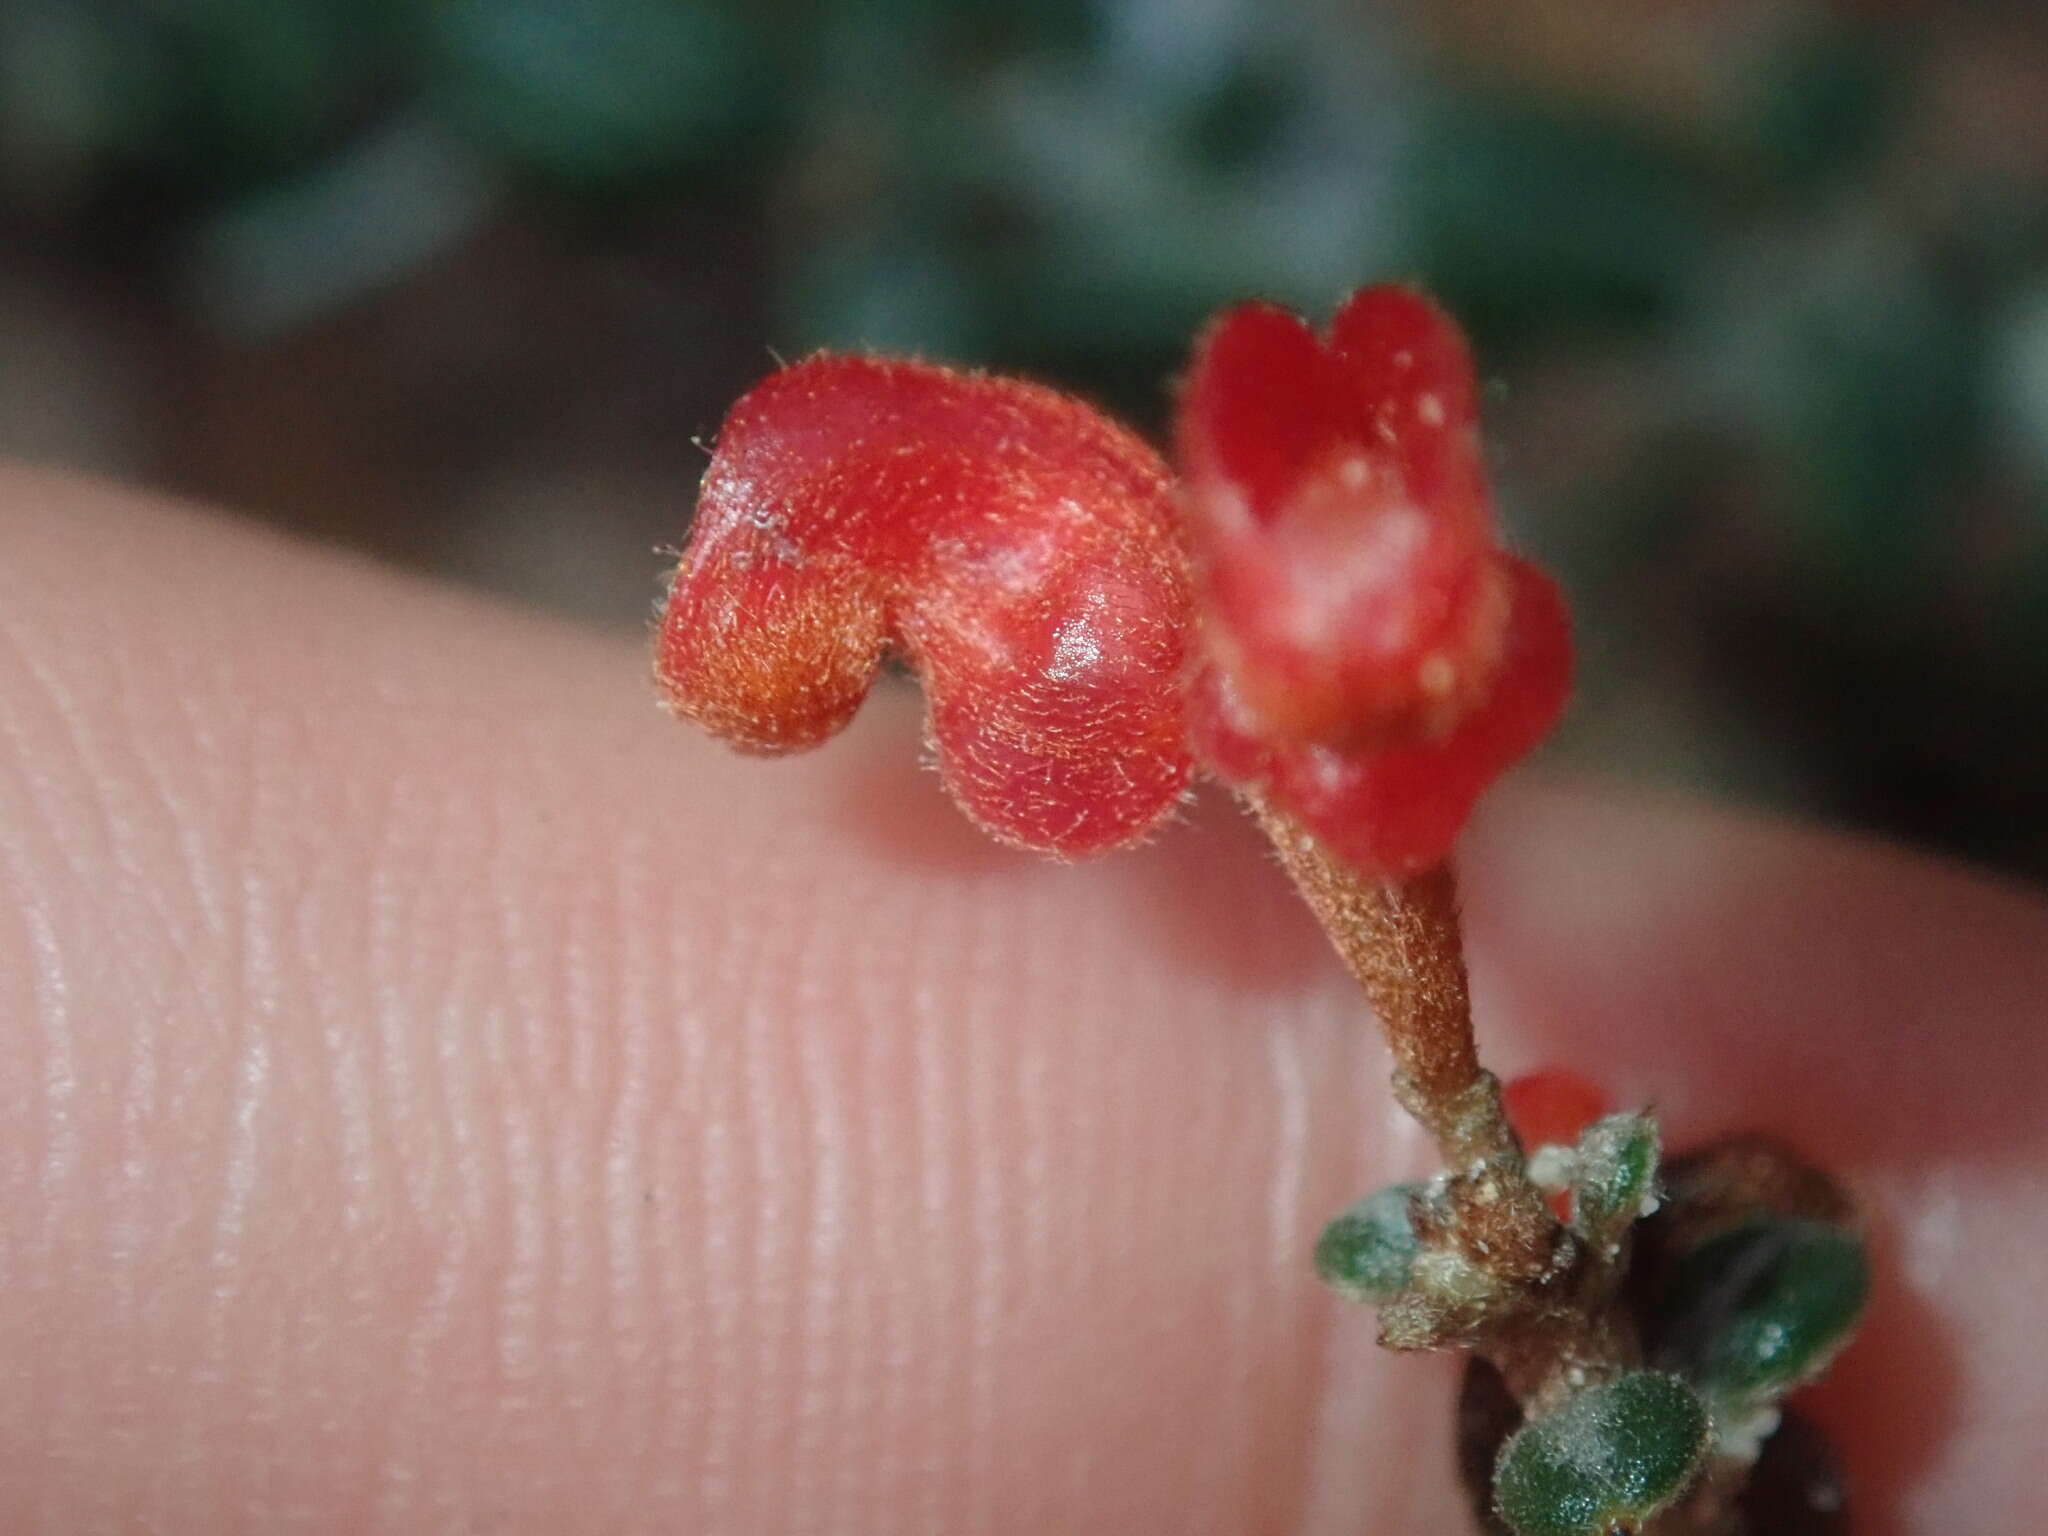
x: 441, y: 1093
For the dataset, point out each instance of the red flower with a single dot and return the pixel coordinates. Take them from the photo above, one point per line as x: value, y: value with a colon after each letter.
x: 1376, y: 659
x: 1016, y: 547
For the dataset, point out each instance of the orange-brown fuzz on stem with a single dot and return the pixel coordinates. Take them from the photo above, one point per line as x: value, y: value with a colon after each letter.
x: 1403, y: 941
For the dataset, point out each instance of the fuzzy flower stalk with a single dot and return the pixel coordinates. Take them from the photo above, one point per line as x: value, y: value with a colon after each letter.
x: 1374, y: 660
x: 1314, y: 607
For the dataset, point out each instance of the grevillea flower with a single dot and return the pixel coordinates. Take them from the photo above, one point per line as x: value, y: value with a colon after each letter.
x: 1017, y: 548
x: 1376, y: 660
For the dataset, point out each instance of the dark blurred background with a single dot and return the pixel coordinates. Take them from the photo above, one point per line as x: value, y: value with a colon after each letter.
x: 1761, y: 287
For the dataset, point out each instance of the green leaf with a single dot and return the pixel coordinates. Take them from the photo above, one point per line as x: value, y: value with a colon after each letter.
x: 600, y: 94
x: 327, y: 238
x: 1857, y: 373
x: 204, y: 96
x: 893, y: 287
x: 1823, y: 103
x: 1369, y: 1251
x: 262, y: 84
x: 1526, y: 215
x: 1617, y: 1173
x: 1612, y: 1456
x: 1756, y: 1311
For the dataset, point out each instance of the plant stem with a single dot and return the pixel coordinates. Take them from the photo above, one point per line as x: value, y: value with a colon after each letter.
x: 1403, y: 941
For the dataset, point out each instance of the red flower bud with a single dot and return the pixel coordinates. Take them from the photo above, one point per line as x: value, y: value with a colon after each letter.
x: 1341, y: 523
x: 1376, y: 660
x: 1552, y: 1107
x: 1015, y: 546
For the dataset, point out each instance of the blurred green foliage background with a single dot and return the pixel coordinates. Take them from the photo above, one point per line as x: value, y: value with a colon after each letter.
x: 1761, y: 288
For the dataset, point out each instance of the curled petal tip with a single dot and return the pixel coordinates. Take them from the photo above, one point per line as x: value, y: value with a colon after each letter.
x: 1015, y: 546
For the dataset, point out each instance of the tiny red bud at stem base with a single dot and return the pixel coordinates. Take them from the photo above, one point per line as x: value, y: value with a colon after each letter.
x: 1552, y: 1107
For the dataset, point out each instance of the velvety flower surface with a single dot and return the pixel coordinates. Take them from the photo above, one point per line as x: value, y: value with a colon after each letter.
x: 1342, y: 523
x: 1375, y: 659
x: 1017, y: 548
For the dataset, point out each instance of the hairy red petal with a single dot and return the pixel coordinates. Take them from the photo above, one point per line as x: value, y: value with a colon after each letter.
x: 1017, y: 547
x: 1412, y: 373
x: 1263, y: 399
x: 1396, y: 812
x: 1340, y: 519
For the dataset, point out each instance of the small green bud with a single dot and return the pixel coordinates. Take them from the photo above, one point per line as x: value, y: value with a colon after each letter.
x: 1369, y: 1251
x: 1616, y: 1178
x: 1756, y: 1311
x: 1608, y: 1460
